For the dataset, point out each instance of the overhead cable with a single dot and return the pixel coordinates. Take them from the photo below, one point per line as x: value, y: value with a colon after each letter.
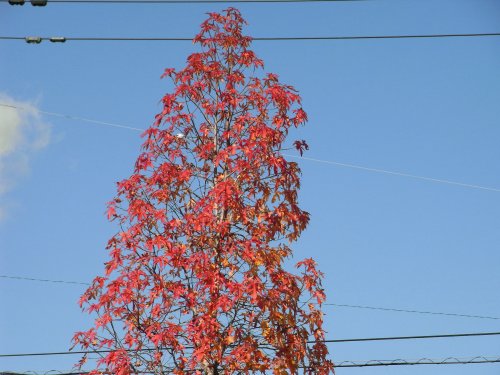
x: 21, y: 2
x: 42, y: 280
x: 70, y: 117
x: 324, y: 304
x: 411, y: 311
x: 401, y: 174
x: 420, y: 337
x: 421, y: 361
x: 338, y: 364
x: 365, y: 339
x: 59, y: 39
x: 331, y: 162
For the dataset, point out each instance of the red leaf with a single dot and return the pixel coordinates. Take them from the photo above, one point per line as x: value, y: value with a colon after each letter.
x: 301, y: 146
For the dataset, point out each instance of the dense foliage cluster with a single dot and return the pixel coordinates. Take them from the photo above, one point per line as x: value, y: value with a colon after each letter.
x: 196, y: 282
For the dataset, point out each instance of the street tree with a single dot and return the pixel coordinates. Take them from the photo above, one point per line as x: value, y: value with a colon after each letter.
x: 196, y: 280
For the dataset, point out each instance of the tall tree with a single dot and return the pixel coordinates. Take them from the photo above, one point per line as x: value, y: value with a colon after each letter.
x: 196, y: 281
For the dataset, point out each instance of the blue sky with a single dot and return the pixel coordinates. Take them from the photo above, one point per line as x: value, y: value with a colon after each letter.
x: 425, y: 107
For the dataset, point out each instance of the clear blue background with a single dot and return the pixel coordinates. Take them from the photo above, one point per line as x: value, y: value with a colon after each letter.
x: 422, y: 106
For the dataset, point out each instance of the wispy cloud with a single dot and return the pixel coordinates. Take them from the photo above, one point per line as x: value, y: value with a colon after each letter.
x: 22, y: 133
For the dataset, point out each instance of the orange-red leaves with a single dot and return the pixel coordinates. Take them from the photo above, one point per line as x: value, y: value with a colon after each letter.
x: 300, y: 116
x: 168, y: 72
x: 111, y: 213
x: 206, y: 219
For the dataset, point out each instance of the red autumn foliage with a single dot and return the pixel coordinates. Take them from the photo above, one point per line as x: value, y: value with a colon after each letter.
x: 195, y: 281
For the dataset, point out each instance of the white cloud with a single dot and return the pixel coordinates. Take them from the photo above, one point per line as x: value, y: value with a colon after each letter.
x: 22, y: 133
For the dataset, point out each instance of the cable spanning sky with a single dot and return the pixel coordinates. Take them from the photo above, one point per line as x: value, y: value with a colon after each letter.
x: 64, y: 39
x: 425, y: 107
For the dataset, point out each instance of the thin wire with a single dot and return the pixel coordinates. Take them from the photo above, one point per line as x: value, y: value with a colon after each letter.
x: 377, y: 170
x: 264, y: 39
x: 189, y: 1
x: 324, y: 304
x: 42, y: 280
x: 366, y: 363
x: 420, y: 337
x: 355, y: 37
x: 69, y: 117
x: 456, y: 335
x: 395, y: 173
x: 422, y: 361
x: 347, y: 364
x: 412, y: 311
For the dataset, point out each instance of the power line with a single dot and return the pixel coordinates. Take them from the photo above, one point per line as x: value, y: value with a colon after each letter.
x: 420, y: 337
x: 332, y: 162
x: 347, y: 364
x: 421, y: 361
x: 101, y: 351
x: 377, y: 170
x: 42, y: 280
x: 188, y: 1
x: 59, y: 39
x: 412, y: 311
x: 324, y: 304
x: 69, y: 117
